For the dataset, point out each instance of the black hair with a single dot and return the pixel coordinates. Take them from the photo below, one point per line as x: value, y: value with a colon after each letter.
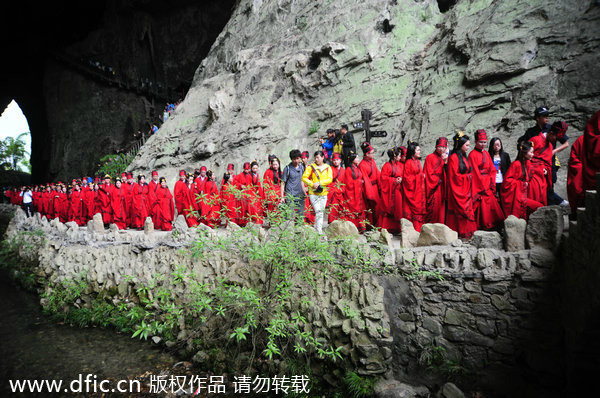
x: 209, y: 175
x: 254, y: 163
x: 330, y: 131
x: 491, y: 148
x: 140, y: 177
x: 392, y: 153
x: 524, y: 147
x: 276, y: 174
x: 226, y: 177
x: 320, y: 153
x: 295, y: 153
x: 463, y: 162
x: 411, y: 149
x: 344, y: 126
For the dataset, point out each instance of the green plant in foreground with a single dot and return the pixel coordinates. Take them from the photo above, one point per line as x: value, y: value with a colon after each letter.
x: 359, y: 386
x: 418, y: 273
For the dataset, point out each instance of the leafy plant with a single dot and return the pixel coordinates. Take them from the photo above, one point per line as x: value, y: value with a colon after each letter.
x: 359, y: 386
x: 314, y: 127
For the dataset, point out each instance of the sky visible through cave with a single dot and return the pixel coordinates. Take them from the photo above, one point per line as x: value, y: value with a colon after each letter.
x: 12, y: 123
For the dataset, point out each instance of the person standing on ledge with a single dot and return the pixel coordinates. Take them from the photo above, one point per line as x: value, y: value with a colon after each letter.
x: 317, y: 177
x: 435, y: 182
x: 153, y: 184
x: 460, y: 216
x: 294, y: 190
x: 348, y: 145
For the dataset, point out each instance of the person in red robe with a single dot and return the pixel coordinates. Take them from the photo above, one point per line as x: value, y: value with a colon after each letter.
x: 201, y: 179
x: 390, y: 185
x: 190, y: 210
x: 103, y: 198
x: 63, y: 208
x: 180, y: 191
x: 164, y: 209
x: 76, y: 211
x: 309, y: 212
x: 272, y: 185
x: 254, y: 196
x: 210, y: 208
x: 335, y: 194
x: 241, y: 181
x: 514, y: 188
x: 369, y: 170
x: 413, y: 187
x: 228, y: 200
x: 154, y: 182
x: 128, y: 186
x: 56, y: 203
x: 142, y: 201
x: 89, y: 201
x: 118, y: 205
x: 36, y: 196
x: 355, y: 193
x: 460, y: 215
x: 584, y: 163
x: 488, y: 213
x: 543, y: 151
x: 435, y: 182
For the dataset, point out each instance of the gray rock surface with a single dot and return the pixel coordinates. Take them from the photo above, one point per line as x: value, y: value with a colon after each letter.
x: 545, y: 227
x: 148, y: 226
x: 180, y: 225
x: 280, y: 67
x: 97, y: 223
x: 486, y: 239
x: 514, y: 233
x: 436, y: 234
x: 341, y: 229
x: 409, y: 236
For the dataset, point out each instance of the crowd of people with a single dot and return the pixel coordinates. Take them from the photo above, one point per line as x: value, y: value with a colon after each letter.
x: 462, y: 188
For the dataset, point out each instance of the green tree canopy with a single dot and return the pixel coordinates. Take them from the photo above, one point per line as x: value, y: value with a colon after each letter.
x: 12, y: 151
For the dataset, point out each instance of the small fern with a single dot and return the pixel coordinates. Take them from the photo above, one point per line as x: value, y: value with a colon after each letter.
x: 358, y: 386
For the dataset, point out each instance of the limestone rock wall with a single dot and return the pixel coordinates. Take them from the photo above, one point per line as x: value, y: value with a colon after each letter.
x: 280, y: 66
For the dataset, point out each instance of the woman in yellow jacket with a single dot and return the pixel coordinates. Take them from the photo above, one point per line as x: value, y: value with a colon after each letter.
x: 317, y: 177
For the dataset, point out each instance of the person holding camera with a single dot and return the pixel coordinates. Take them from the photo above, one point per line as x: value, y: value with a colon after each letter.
x: 317, y: 177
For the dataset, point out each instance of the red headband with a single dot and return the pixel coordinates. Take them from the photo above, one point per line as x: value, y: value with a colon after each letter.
x: 230, y: 166
x: 129, y: 175
x: 367, y: 148
x: 480, y: 135
x: 182, y: 173
x: 336, y: 156
x: 247, y: 166
x: 203, y: 168
x: 154, y: 173
x: 305, y: 155
x: 560, y: 128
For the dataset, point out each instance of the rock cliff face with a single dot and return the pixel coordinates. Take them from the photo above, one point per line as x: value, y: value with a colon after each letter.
x: 280, y: 66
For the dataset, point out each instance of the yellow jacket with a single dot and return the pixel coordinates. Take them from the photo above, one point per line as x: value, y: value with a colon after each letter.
x: 325, y: 178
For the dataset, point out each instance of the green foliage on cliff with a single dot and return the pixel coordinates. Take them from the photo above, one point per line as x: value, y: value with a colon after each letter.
x: 114, y: 165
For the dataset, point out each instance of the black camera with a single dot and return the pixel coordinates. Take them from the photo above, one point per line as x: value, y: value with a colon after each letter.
x: 319, y: 189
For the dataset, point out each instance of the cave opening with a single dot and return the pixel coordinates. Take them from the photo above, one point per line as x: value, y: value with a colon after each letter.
x: 15, y: 139
x: 445, y: 5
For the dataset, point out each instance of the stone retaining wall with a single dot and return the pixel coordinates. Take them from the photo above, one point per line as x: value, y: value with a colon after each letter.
x: 485, y: 313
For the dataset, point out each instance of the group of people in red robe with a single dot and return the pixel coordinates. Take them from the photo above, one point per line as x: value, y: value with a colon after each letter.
x: 125, y: 203
x: 457, y: 187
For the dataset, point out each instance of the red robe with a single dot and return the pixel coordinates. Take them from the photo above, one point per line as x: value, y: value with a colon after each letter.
x: 542, y: 160
x: 584, y: 162
x: 153, y: 186
x: 210, y: 207
x: 189, y: 207
x: 435, y: 188
x: 199, y: 181
x: 486, y: 207
x: 89, y: 203
x: 118, y: 206
x: 46, y: 200
x: 413, y: 191
x: 390, y: 206
x: 335, y: 194
x: 142, y: 201
x: 179, y: 193
x: 76, y: 208
x: 369, y: 170
x: 460, y: 215
x: 355, y: 196
x: 272, y: 189
x: 514, y: 195
x: 228, y: 201
x: 164, y: 209
x: 62, y: 212
x: 55, y: 205
x: 37, y: 201
x: 103, y: 199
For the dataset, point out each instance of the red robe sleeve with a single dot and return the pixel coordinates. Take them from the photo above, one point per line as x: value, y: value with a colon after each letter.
x: 459, y: 190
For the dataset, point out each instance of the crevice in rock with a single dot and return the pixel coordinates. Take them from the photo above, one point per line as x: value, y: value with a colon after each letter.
x: 445, y: 5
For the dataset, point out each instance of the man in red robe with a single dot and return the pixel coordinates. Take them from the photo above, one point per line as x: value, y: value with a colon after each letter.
x: 201, y: 179
x: 369, y: 170
x: 228, y: 201
x: 76, y: 206
x: 435, y: 182
x: 488, y: 213
x: 584, y: 163
x: 543, y: 151
x: 104, y: 200
x: 190, y: 209
x: 179, y: 192
x: 413, y: 187
x: 153, y: 184
x: 354, y: 193
x: 210, y: 207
